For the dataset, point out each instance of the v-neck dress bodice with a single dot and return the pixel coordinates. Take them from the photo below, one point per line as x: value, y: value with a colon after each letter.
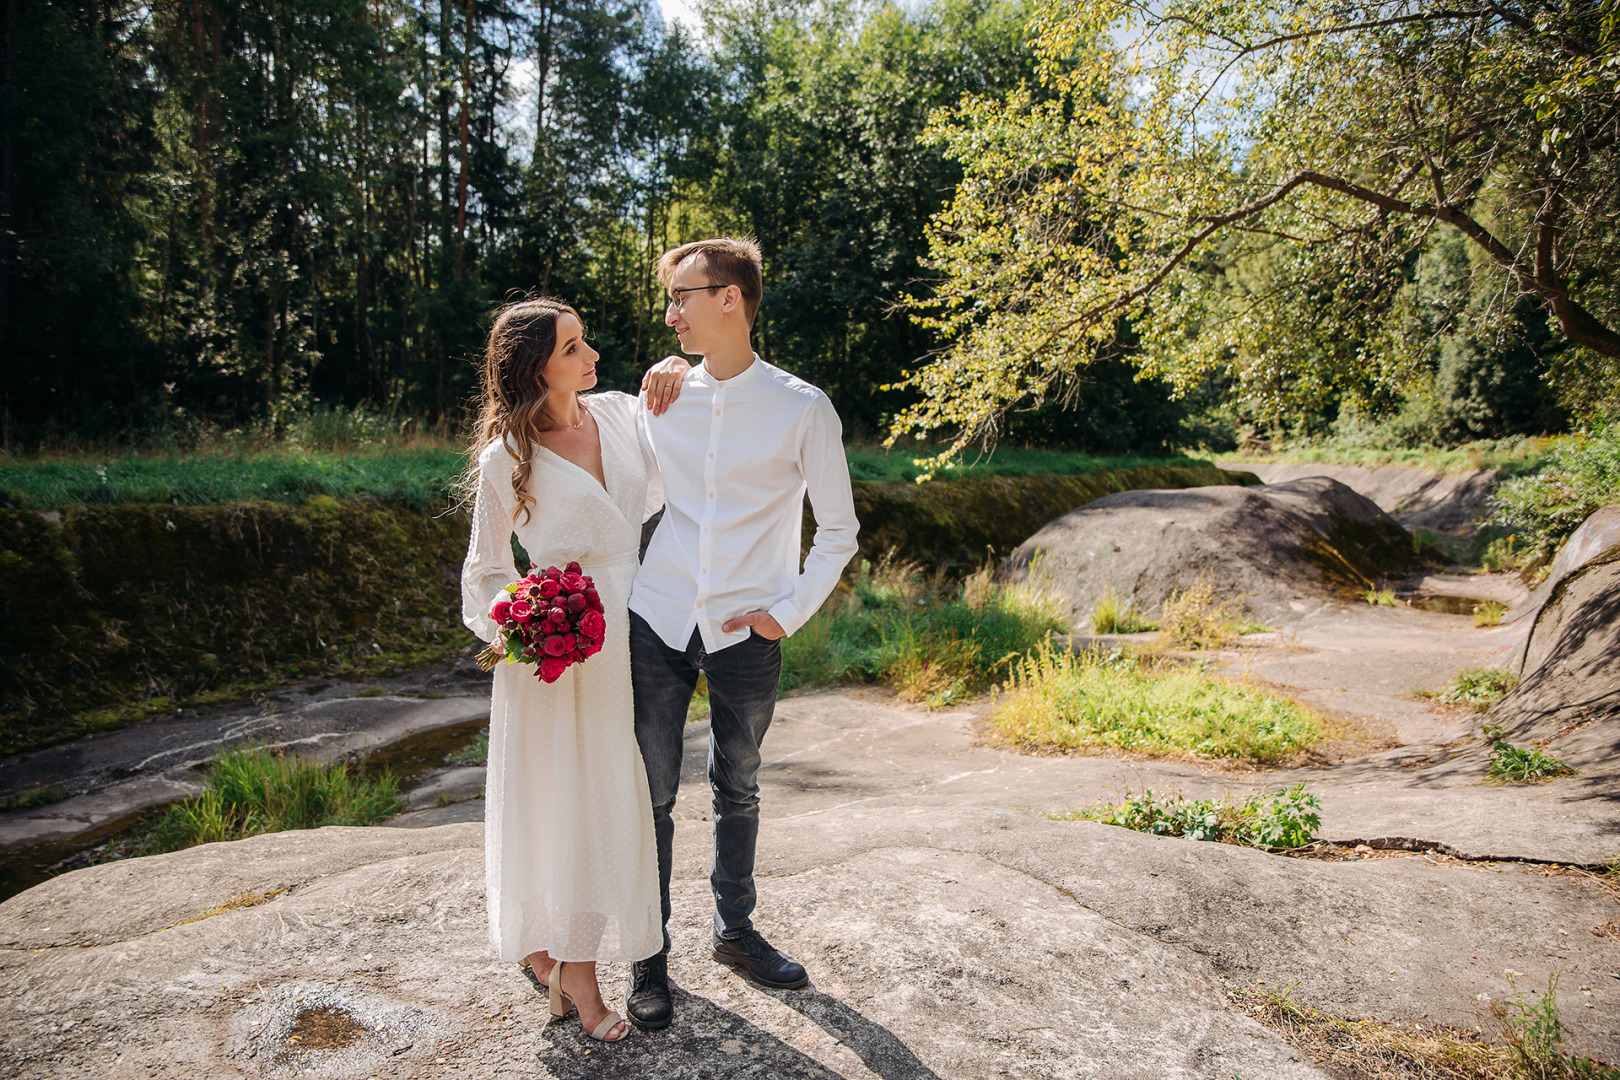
x: 570, y: 864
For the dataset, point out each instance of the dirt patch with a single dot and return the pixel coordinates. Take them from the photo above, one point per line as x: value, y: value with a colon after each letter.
x: 324, y: 1028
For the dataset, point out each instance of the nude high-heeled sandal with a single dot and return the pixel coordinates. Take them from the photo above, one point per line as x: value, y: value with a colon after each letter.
x: 560, y: 1004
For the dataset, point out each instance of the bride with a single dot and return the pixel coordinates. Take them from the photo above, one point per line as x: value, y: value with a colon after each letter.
x: 571, y: 871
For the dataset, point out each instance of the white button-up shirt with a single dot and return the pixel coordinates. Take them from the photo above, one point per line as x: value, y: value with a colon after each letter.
x: 736, y: 459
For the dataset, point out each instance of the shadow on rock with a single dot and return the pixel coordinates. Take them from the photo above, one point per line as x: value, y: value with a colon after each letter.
x: 707, y: 1042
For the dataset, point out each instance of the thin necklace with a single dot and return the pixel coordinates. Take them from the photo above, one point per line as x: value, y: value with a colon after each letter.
x: 583, y: 414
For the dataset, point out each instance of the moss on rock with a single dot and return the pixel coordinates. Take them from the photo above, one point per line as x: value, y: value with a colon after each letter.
x: 114, y: 612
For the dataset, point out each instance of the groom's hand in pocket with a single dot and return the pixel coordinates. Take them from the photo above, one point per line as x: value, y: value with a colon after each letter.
x: 760, y: 622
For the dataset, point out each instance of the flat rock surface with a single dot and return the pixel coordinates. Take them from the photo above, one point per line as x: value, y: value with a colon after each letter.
x: 951, y: 926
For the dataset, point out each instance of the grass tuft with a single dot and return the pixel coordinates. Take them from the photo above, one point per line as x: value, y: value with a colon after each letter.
x: 1060, y: 700
x: 1479, y: 687
x: 1197, y: 618
x: 934, y: 642
x: 1511, y: 765
x: 42, y: 795
x: 253, y: 790
x: 1489, y: 613
x: 1379, y: 597
x: 1288, y: 819
x: 1115, y: 615
x: 1529, y: 1046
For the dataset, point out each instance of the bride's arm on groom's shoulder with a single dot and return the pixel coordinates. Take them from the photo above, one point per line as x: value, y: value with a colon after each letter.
x: 489, y: 565
x: 662, y: 383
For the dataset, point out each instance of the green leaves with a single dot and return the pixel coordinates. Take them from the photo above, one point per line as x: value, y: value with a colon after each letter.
x: 1246, y: 187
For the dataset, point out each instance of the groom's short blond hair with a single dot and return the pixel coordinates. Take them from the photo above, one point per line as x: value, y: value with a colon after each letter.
x: 725, y: 260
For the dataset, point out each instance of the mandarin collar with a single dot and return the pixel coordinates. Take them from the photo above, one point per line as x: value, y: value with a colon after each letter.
x: 738, y: 379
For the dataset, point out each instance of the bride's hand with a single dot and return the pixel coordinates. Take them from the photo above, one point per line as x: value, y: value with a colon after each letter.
x: 662, y: 383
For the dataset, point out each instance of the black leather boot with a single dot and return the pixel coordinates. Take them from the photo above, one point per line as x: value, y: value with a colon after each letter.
x: 753, y: 956
x: 650, y: 1005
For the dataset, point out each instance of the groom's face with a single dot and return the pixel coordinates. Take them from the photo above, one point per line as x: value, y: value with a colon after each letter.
x: 697, y: 306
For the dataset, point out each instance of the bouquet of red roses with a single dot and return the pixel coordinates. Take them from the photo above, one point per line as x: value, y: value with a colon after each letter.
x: 553, y: 618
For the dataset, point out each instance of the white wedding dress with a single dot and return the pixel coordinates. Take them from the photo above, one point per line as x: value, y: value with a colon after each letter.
x: 570, y: 863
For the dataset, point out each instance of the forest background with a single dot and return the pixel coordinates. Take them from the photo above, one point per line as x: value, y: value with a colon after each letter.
x: 226, y: 215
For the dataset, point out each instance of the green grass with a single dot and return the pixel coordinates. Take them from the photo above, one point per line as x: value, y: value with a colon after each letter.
x: 1114, y: 615
x: 415, y: 476
x: 873, y: 463
x: 933, y: 641
x: 417, y: 473
x: 1059, y: 700
x: 253, y: 790
x: 1514, y: 455
x: 1513, y: 765
x: 1288, y: 819
x: 1489, y: 613
x: 42, y: 795
x: 1477, y: 686
x: 1379, y: 597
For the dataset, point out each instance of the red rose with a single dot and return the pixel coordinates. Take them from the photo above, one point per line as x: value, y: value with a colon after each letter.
x: 555, y: 645
x: 576, y: 603
x: 572, y: 568
x: 530, y: 592
x: 551, y: 669
x: 549, y: 589
x: 592, y: 625
x: 571, y: 641
x: 573, y: 583
x: 530, y: 651
x: 591, y: 647
x: 574, y: 657
x: 553, y: 573
x: 521, y: 610
x: 590, y: 583
x: 501, y: 611
x: 593, y: 598
x: 558, y: 615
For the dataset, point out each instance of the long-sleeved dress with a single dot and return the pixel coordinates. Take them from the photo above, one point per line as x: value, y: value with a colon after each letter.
x: 570, y: 863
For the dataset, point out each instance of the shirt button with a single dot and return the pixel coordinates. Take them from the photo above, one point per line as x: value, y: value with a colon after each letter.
x: 700, y: 603
x: 711, y: 494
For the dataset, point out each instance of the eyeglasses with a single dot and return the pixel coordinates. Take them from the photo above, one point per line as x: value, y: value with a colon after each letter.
x: 679, y: 300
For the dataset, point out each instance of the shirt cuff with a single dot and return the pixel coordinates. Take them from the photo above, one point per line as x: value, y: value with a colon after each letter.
x: 786, y: 614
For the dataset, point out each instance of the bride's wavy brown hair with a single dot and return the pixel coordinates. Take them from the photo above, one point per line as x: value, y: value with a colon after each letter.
x: 513, y: 395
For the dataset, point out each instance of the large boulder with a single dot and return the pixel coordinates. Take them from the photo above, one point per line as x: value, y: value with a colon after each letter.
x: 1567, y: 650
x: 1450, y: 503
x: 1280, y: 550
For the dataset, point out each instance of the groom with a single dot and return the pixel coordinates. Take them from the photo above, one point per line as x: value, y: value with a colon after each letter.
x: 720, y: 586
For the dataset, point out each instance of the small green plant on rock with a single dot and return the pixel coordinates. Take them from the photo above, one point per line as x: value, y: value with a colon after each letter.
x: 1288, y: 819
x: 1479, y: 687
x: 1115, y: 615
x: 1534, y: 1034
x: 1379, y: 597
x: 1511, y: 765
x: 1489, y: 613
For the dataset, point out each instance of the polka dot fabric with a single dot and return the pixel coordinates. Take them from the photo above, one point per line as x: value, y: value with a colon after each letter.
x: 569, y: 860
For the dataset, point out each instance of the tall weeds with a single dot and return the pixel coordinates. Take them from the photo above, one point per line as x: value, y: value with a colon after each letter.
x: 933, y: 641
x: 255, y: 790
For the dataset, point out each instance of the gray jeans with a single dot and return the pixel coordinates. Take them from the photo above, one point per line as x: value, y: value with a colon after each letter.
x: 742, y: 694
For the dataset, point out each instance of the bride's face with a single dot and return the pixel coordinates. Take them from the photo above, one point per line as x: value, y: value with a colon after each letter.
x: 572, y: 366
